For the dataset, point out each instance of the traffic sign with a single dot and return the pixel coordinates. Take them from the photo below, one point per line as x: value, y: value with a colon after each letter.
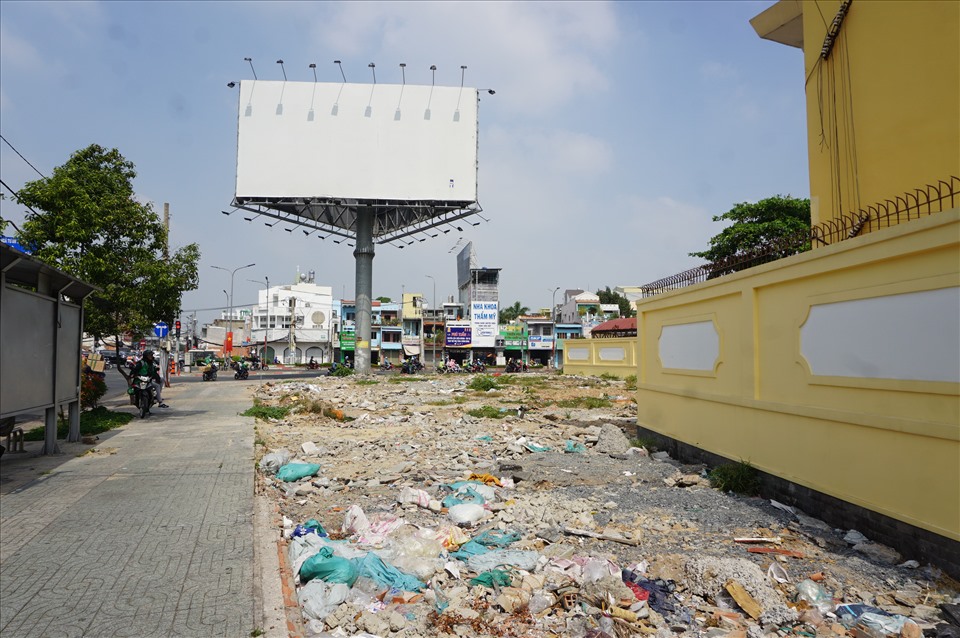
x: 160, y: 329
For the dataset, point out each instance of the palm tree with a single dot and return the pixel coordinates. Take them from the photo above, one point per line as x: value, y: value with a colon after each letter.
x: 510, y: 313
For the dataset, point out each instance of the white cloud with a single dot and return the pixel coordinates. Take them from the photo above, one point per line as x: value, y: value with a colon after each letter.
x: 714, y: 70
x: 18, y: 53
x: 534, y: 54
x: 667, y: 230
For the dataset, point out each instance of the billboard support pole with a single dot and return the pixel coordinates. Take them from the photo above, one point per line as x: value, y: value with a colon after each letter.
x: 364, y: 288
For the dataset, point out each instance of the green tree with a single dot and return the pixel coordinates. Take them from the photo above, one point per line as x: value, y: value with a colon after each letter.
x: 89, y: 223
x: 608, y: 296
x: 510, y: 313
x: 383, y: 299
x: 759, y: 227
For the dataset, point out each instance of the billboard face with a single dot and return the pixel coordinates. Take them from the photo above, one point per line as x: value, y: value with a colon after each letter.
x: 483, y: 320
x: 466, y: 260
x: 363, y: 141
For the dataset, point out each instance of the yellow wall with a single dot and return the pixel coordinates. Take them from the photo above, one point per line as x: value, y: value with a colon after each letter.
x: 892, y: 446
x: 593, y: 357
x: 894, y: 71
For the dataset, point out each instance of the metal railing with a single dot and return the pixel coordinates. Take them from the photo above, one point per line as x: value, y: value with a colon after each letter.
x: 921, y: 202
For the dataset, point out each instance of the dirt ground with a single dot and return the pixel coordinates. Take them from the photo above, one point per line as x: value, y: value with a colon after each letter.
x: 583, y: 500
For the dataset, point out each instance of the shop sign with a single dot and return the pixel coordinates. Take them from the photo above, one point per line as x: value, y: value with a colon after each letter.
x: 458, y: 336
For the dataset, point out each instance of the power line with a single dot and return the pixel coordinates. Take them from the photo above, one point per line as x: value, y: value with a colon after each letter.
x: 17, y: 195
x: 21, y: 156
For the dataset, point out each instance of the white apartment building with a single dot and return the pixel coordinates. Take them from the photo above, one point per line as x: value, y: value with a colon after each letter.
x: 294, y: 322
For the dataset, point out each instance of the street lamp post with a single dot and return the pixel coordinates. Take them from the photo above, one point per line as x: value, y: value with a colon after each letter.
x: 434, y: 347
x: 230, y: 320
x: 266, y: 327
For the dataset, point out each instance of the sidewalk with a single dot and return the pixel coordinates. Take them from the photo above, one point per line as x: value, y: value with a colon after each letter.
x: 148, y: 533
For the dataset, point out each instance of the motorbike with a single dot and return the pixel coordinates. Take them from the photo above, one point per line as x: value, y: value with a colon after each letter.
x: 210, y: 373
x: 144, y: 394
x: 475, y: 366
x: 411, y: 366
x: 242, y: 372
x: 313, y: 365
x: 386, y: 365
x: 516, y: 366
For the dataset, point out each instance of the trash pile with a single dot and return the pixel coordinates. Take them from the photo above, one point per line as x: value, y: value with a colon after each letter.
x: 416, y: 519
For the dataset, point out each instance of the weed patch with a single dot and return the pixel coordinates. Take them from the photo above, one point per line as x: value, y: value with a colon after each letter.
x: 403, y: 378
x: 92, y: 422
x: 483, y: 383
x: 264, y: 412
x: 741, y: 478
x: 589, y: 403
x: 487, y: 412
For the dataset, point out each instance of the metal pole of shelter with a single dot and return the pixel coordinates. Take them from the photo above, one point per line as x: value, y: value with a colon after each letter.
x: 364, y: 289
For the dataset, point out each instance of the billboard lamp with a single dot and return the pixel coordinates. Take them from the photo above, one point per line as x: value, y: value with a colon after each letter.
x: 250, y: 61
x: 314, y: 67
x: 342, y: 74
x: 230, y: 85
x: 226, y: 213
x: 373, y: 68
x: 403, y: 71
x: 280, y: 62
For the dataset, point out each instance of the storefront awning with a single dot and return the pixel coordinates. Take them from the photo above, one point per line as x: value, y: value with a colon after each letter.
x: 411, y: 351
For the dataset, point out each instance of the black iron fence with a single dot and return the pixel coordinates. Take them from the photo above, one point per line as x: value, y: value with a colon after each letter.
x: 921, y: 202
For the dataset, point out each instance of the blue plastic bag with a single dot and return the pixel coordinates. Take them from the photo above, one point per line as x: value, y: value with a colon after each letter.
x: 296, y: 471
x: 373, y: 567
x: 491, y: 538
x: 468, y: 549
x: 328, y: 568
x: 574, y: 448
x: 463, y: 495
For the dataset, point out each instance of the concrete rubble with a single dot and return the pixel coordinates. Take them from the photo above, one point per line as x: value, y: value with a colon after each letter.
x: 536, y: 515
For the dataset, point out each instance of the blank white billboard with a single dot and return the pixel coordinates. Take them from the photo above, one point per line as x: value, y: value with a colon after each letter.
x: 363, y: 141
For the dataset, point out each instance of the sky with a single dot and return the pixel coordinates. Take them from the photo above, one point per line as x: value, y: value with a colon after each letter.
x: 617, y: 131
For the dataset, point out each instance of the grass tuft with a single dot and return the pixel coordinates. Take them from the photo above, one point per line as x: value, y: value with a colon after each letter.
x: 741, y: 478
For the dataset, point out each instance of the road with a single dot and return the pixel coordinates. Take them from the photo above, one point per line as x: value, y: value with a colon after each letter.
x: 149, y: 534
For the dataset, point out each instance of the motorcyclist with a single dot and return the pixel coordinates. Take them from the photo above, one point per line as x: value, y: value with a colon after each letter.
x: 147, y: 367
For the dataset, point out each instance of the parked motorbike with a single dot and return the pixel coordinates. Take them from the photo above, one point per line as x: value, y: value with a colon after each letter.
x: 144, y: 394
x: 242, y: 372
x: 210, y: 373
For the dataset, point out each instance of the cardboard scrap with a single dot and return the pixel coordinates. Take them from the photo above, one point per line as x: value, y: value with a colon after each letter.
x: 744, y: 599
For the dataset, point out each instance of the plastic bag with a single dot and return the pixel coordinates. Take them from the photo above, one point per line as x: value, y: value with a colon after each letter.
x: 414, y: 552
x: 272, y: 462
x: 373, y: 567
x: 468, y: 549
x: 327, y: 567
x: 319, y: 599
x: 296, y: 471
x: 411, y: 495
x: 493, y: 538
x: 488, y: 578
x: 533, y: 447
x: 466, y: 513
x: 464, y: 495
x: 312, y: 526
x: 816, y: 595
x: 525, y: 560
x: 450, y: 536
x: 574, y: 448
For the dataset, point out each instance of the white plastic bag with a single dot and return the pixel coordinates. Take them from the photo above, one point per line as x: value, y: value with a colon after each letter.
x: 272, y: 462
x: 319, y: 599
x: 466, y: 513
x: 411, y: 495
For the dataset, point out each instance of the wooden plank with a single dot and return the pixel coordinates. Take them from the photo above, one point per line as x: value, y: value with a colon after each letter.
x: 774, y: 550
